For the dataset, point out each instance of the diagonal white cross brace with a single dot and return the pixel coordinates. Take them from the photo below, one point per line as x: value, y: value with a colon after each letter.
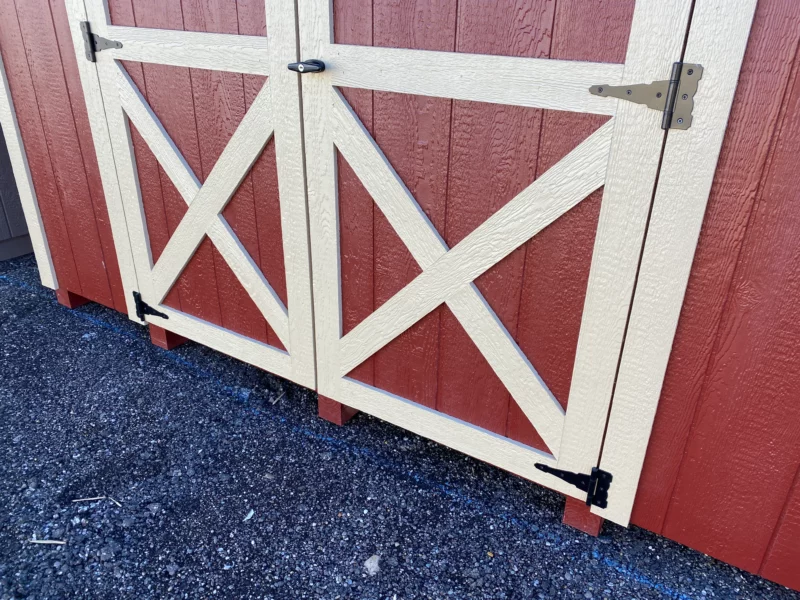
x: 496, y: 238
x: 207, y: 201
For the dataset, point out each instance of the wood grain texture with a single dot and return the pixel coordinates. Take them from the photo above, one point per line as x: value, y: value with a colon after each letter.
x: 23, y: 180
x: 264, y: 174
x: 717, y: 40
x: 578, y: 515
x: 352, y: 24
x: 493, y: 157
x: 47, y: 72
x: 630, y: 180
x: 216, y: 51
x: 413, y: 133
x: 34, y: 134
x: 58, y: 9
x: 170, y: 95
x: 537, y: 83
x: 763, y: 81
x: 220, y: 107
x: 783, y: 556
x: 753, y: 378
x: 557, y: 260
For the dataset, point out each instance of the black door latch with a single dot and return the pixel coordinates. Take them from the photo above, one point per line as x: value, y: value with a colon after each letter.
x: 595, y: 485
x: 308, y: 66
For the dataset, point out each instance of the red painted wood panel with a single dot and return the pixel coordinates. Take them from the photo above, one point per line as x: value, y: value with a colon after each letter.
x: 87, y: 152
x: 264, y: 176
x: 414, y: 133
x: 43, y: 79
x: 44, y: 59
x: 352, y: 24
x: 557, y: 260
x: 782, y: 561
x: 34, y: 140
x: 744, y: 446
x: 493, y: 157
x: 219, y: 106
x: 169, y: 93
x: 754, y: 116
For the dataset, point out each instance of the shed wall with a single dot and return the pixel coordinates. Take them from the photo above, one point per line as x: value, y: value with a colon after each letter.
x: 721, y: 473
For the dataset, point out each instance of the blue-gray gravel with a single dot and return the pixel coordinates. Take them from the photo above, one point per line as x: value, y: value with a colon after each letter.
x: 189, y: 442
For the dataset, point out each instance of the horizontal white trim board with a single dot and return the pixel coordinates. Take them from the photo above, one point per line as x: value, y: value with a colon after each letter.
x: 532, y: 82
x: 199, y: 50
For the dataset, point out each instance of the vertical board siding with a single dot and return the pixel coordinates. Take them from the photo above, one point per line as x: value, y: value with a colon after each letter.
x: 352, y: 24
x: 51, y: 114
x: 493, y: 157
x: 557, y: 260
x: 414, y: 134
x: 87, y: 151
x: 782, y: 560
x: 754, y: 116
x: 201, y: 110
x: 744, y: 446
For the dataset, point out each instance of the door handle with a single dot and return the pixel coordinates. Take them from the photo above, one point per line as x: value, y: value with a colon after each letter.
x: 308, y: 66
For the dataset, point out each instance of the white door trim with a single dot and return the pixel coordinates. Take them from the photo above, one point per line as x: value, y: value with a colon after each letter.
x: 717, y: 40
x: 113, y: 99
x: 24, y: 181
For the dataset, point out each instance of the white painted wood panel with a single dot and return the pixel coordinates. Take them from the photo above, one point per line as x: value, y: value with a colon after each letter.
x: 27, y: 193
x: 717, y: 40
x: 655, y: 43
x: 199, y: 50
x: 532, y: 82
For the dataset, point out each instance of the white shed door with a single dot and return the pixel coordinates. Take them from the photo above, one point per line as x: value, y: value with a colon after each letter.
x: 622, y: 156
x: 115, y: 103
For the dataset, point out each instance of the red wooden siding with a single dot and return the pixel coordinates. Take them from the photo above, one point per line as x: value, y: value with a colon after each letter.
x: 723, y: 466
x: 726, y: 442
x: 43, y: 77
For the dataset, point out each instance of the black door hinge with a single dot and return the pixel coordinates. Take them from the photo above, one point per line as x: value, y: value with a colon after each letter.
x: 595, y: 485
x: 93, y: 43
x: 143, y: 308
x: 674, y: 97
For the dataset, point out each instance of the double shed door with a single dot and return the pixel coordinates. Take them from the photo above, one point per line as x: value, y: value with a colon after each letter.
x: 614, y: 163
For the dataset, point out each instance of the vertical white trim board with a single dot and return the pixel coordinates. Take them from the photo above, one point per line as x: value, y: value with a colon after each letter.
x: 22, y: 176
x: 717, y: 40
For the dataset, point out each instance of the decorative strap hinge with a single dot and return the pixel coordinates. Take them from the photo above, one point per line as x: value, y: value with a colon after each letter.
x: 673, y: 97
x: 143, y: 308
x: 93, y: 43
x: 595, y: 485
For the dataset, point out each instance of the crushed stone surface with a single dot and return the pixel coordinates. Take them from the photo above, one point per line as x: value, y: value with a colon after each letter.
x: 189, y: 442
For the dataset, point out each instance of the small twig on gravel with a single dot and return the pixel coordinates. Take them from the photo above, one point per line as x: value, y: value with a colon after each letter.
x: 249, y: 515
x: 90, y: 499
x: 274, y: 402
x: 115, y: 502
x: 56, y: 542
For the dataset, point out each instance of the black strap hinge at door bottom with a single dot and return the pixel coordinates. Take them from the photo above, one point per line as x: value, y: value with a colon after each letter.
x: 143, y: 308
x: 595, y: 485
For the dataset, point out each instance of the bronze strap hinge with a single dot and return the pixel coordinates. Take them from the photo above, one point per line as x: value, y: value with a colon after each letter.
x: 674, y: 97
x: 93, y: 43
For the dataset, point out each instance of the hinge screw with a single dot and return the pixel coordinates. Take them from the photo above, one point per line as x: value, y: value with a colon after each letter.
x: 680, y: 121
x: 690, y: 72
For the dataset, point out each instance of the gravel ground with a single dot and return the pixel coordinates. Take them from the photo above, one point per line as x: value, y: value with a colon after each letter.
x: 226, y: 484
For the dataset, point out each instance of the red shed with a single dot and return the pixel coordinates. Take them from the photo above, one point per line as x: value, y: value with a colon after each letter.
x: 476, y: 220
